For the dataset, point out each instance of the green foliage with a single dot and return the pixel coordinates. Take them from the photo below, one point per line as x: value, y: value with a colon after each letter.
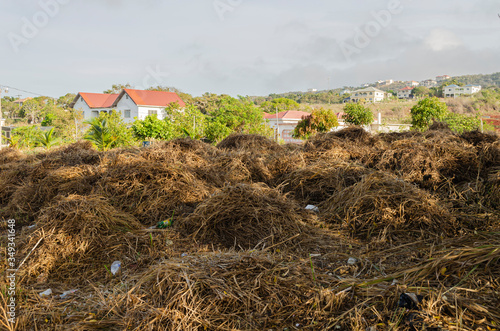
x: 49, y: 119
x: 108, y: 131
x: 47, y: 139
x: 30, y: 110
x: 152, y: 128
x: 117, y: 88
x: 460, y: 123
x: 281, y: 104
x: 187, y: 122
x: 66, y: 100
x: 234, y: 115
x: 427, y: 110
x: 421, y: 91
x: 99, y: 134
x: 320, y: 120
x: 357, y: 114
x: 25, y: 136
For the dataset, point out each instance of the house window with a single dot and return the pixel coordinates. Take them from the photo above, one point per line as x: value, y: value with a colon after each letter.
x: 371, y: 93
x: 126, y: 113
x: 152, y: 112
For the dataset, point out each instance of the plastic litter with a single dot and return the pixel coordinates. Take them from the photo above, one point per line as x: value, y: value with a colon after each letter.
x: 66, y: 293
x: 115, y: 266
x: 183, y: 254
x: 409, y: 300
x: 313, y: 208
x: 352, y: 261
x: 31, y: 226
x: 46, y: 292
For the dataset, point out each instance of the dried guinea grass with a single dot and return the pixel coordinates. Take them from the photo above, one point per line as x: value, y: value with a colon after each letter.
x: 249, y: 142
x: 9, y: 155
x: 317, y: 182
x: 151, y: 191
x: 76, y: 236
x: 227, y: 291
x: 383, y: 207
x: 246, y: 216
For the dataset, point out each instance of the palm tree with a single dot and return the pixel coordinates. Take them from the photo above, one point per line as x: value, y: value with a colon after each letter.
x: 100, y: 134
x: 47, y: 139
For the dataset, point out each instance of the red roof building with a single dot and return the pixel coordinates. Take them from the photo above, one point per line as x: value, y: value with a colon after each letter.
x: 151, y: 98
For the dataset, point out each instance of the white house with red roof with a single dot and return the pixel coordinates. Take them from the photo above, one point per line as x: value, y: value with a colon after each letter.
x: 284, y: 122
x: 130, y: 103
x: 405, y: 93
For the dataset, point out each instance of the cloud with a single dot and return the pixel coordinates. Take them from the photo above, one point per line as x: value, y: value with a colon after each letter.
x: 440, y: 40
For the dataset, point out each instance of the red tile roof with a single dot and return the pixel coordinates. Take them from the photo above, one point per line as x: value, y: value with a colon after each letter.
x: 408, y: 88
x: 96, y: 100
x: 151, y: 98
x: 289, y: 114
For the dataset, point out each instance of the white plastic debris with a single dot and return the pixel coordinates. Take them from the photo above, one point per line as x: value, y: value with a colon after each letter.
x: 31, y: 226
x: 313, y: 208
x: 183, y: 254
x: 115, y: 266
x: 352, y: 261
x: 46, y: 293
x: 66, y: 293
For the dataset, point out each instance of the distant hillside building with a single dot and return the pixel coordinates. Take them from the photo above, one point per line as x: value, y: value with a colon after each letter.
x: 284, y: 122
x: 441, y: 79
x: 129, y: 103
x: 428, y: 83
x: 369, y: 94
x: 452, y: 91
x: 405, y: 93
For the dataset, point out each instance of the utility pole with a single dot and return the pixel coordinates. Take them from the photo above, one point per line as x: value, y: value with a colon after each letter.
x: 277, y: 126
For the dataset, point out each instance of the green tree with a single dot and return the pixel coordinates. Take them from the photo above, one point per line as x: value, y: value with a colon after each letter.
x: 117, y: 88
x: 30, y: 110
x: 426, y: 111
x: 152, y: 128
x: 47, y: 139
x: 421, y: 91
x: 108, y: 131
x: 99, y: 134
x: 66, y: 100
x: 459, y: 123
x: 320, y: 120
x: 281, y: 104
x: 229, y: 115
x: 357, y: 114
x: 189, y: 121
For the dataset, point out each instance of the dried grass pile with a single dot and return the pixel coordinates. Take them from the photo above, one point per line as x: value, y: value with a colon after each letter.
x: 246, y: 216
x: 411, y: 160
x: 76, y: 154
x: 182, y: 150
x: 76, y: 236
x: 249, y: 142
x: 225, y: 291
x: 383, y: 207
x: 8, y: 155
x: 317, y: 182
x: 351, y: 143
x: 151, y: 191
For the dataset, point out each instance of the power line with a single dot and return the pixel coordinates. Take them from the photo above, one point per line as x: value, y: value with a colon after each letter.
x: 17, y: 89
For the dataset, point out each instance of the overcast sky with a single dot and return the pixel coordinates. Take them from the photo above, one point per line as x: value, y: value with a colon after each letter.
x: 245, y: 47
